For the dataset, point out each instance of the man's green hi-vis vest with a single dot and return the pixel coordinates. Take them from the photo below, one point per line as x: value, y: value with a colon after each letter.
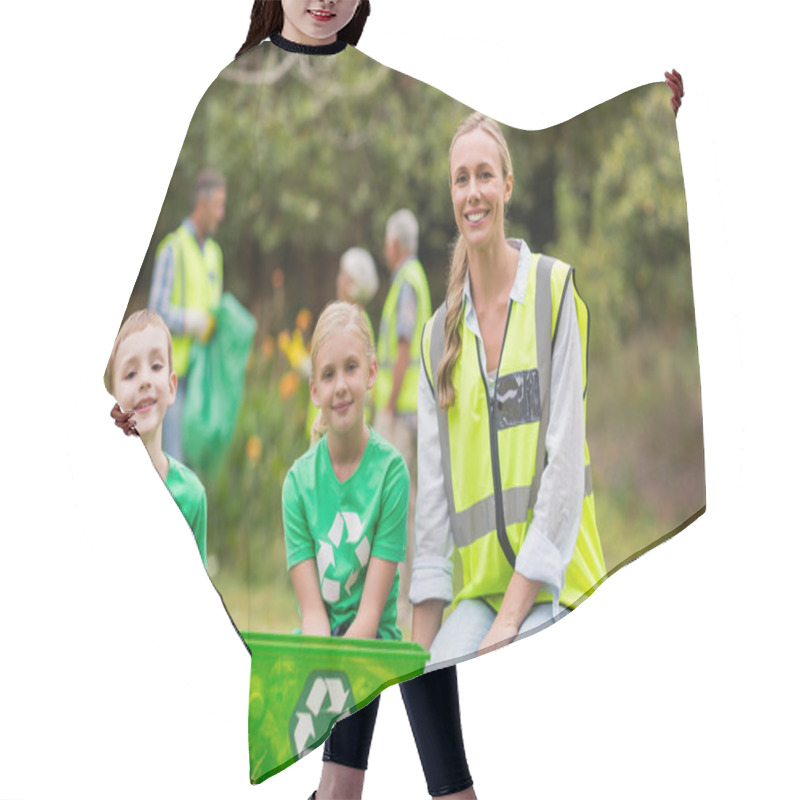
x: 411, y: 272
x: 493, y: 451
x: 197, y: 284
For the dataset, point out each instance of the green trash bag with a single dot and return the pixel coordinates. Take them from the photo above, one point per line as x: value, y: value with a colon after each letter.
x: 301, y: 685
x: 215, y: 385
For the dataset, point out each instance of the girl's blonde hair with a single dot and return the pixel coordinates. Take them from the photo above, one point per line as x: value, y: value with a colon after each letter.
x: 136, y: 322
x: 337, y: 316
x: 459, y: 265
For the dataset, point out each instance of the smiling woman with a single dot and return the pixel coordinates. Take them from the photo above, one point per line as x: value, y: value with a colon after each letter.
x: 316, y: 21
x: 505, y: 356
x: 480, y: 187
x: 306, y: 22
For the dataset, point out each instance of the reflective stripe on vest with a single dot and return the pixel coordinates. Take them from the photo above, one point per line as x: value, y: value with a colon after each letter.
x: 197, y: 283
x: 475, y: 509
x: 410, y: 272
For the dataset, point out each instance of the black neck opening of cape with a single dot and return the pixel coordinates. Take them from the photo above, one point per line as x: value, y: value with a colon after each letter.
x: 308, y: 49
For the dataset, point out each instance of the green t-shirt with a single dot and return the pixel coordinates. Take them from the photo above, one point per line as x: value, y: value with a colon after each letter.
x: 190, y: 495
x: 341, y: 525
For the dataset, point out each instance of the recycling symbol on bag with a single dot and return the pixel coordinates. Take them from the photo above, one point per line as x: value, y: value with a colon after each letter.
x: 347, y: 542
x: 325, y: 695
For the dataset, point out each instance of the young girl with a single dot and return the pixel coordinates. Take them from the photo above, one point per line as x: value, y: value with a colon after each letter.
x: 344, y: 511
x: 342, y: 500
x: 357, y: 283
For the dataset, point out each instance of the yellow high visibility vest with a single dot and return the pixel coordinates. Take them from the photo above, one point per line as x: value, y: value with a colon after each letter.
x: 493, y: 450
x: 410, y: 272
x: 197, y: 284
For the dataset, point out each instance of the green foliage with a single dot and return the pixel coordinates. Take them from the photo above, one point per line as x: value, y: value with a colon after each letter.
x: 244, y: 500
x: 622, y: 223
x: 625, y: 223
x: 317, y: 157
x: 646, y: 441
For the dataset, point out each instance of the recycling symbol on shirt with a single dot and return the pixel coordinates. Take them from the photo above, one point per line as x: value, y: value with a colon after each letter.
x: 322, y: 702
x: 345, y: 540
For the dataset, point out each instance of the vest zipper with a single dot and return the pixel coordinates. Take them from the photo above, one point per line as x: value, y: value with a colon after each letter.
x: 491, y: 401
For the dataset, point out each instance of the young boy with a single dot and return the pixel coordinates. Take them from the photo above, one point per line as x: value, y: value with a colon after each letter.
x: 140, y: 377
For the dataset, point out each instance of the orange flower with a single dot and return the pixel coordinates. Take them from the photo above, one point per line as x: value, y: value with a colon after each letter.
x: 288, y: 385
x: 283, y: 340
x: 268, y: 347
x: 253, y: 448
x: 303, y: 320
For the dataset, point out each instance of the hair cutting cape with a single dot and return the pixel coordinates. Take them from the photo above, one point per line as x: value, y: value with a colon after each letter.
x: 317, y: 152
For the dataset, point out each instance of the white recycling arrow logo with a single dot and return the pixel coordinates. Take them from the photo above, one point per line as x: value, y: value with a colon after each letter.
x: 349, y: 523
x: 354, y: 525
x: 304, y: 731
x: 322, y: 702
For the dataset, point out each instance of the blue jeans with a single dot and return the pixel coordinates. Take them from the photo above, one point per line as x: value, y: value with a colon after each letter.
x: 171, y: 437
x: 463, y: 631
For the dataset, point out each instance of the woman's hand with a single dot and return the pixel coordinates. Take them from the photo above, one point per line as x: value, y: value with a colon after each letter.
x: 675, y: 82
x: 124, y: 420
x: 517, y: 602
x: 426, y: 621
x: 501, y: 632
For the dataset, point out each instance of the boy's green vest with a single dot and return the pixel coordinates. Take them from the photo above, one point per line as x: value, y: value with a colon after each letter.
x: 493, y: 451
x: 410, y: 272
x: 197, y: 284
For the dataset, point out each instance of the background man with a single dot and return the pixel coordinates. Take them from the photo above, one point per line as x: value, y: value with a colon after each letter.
x: 407, y: 308
x: 187, y: 286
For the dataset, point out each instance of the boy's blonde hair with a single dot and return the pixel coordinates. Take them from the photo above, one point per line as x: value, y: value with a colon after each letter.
x: 136, y: 322
x: 337, y: 316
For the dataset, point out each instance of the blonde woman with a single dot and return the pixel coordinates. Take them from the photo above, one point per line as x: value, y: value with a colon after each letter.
x: 502, y: 463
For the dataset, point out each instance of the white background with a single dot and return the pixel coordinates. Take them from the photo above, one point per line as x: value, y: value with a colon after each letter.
x: 120, y: 675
